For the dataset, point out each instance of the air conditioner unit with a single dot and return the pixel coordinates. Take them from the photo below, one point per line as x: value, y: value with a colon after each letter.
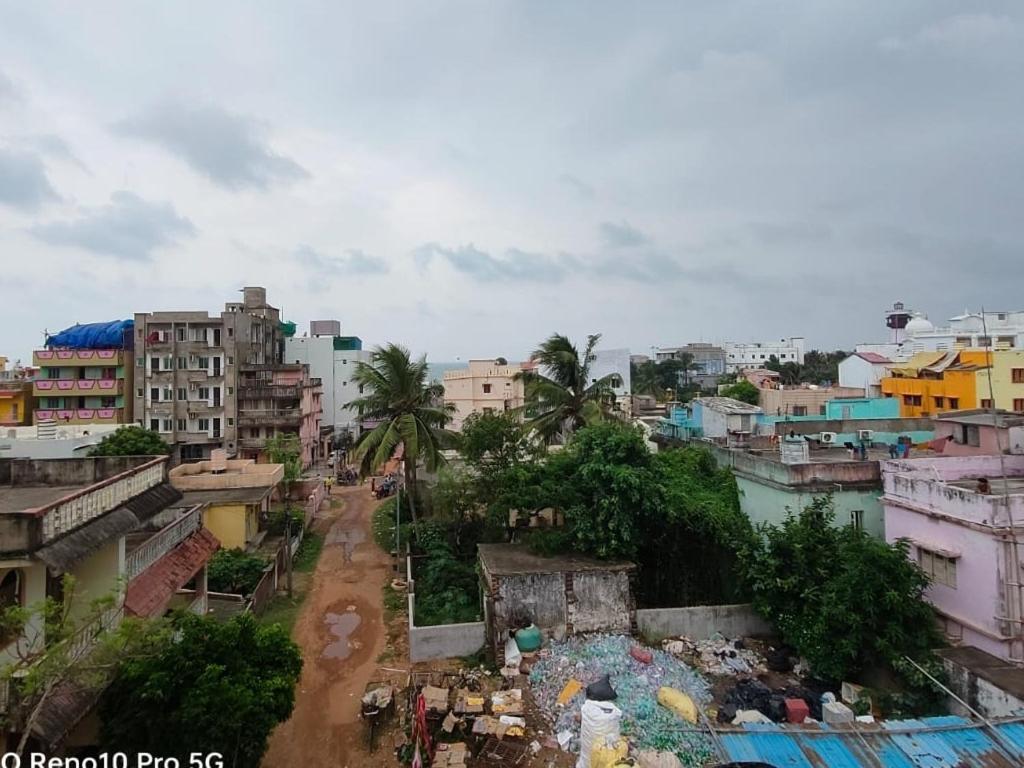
x: 827, y: 437
x: 865, y: 434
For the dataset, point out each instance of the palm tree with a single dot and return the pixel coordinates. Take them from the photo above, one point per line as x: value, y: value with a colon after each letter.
x: 397, y: 394
x: 561, y: 397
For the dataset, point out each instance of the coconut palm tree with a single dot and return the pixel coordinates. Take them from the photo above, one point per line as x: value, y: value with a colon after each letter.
x: 561, y: 397
x: 408, y: 408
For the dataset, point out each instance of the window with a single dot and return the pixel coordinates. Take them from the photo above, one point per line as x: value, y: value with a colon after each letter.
x: 1018, y: 404
x: 940, y: 569
x: 182, y: 363
x: 204, y: 393
x: 231, y: 422
x: 204, y: 363
x: 231, y: 332
x: 912, y: 400
x: 168, y: 394
x: 154, y: 424
x: 14, y: 411
x: 168, y: 425
x: 182, y: 393
x: 940, y: 402
x: 487, y: 389
x: 782, y: 357
x: 168, y: 364
x: 984, y: 341
x: 154, y: 363
x: 986, y: 403
x: 954, y: 403
x: 53, y: 373
x: 182, y: 425
x: 799, y: 410
x: 857, y: 519
x: 967, y: 434
x: 154, y: 395
x: 822, y: 410
x: 231, y: 390
x: 204, y: 425
x: 1018, y: 375
x: 140, y: 392
x: 108, y: 402
x: 140, y: 362
x: 179, y: 334
x: 231, y: 361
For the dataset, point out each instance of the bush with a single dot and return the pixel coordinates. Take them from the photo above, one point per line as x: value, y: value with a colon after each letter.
x: 234, y: 571
x: 447, y: 590
x: 382, y: 525
x: 278, y: 517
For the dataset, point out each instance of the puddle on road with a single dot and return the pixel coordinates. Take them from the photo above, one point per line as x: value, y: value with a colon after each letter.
x: 341, y: 625
x: 349, y: 540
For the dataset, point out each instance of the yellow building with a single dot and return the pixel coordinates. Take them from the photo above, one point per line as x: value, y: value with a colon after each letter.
x: 935, y: 382
x: 15, y: 403
x: 235, y: 492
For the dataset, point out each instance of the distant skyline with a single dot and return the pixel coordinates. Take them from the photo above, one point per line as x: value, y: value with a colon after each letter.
x: 467, y: 178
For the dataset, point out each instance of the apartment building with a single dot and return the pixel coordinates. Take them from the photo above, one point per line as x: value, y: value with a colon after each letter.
x: 85, y: 375
x: 279, y: 399
x: 484, y: 386
x: 188, y: 367
x: 332, y: 358
x: 742, y: 355
x: 116, y: 526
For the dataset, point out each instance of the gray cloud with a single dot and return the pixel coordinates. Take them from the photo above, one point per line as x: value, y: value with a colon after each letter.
x: 227, y: 148
x: 515, y: 265
x: 8, y: 90
x: 622, y: 235
x: 52, y: 145
x: 23, y: 181
x: 128, y: 228
x: 960, y: 30
x: 351, y: 262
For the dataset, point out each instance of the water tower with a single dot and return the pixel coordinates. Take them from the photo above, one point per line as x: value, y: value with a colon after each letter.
x: 896, y: 319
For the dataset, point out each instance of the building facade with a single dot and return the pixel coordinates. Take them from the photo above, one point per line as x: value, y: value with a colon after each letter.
x: 187, y: 370
x: 864, y: 370
x: 935, y: 382
x: 85, y: 375
x: 612, y: 362
x: 802, y: 400
x: 740, y: 355
x: 484, y: 386
x: 708, y: 362
x: 332, y: 358
x: 964, y: 534
x: 979, y: 433
x: 277, y: 400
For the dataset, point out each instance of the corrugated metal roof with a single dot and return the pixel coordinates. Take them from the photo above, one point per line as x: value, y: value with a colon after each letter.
x: 932, y: 742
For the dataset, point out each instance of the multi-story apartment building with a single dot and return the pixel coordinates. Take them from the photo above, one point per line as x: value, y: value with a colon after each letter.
x: 85, y: 375
x: 739, y: 356
x: 484, y: 386
x: 122, y: 532
x: 707, y: 362
x: 332, y: 358
x: 278, y: 399
x: 187, y: 370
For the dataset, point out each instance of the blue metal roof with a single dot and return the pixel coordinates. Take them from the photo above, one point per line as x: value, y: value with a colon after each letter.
x: 931, y: 742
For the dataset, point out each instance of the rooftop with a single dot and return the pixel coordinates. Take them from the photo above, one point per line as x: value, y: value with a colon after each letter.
x: 872, y: 357
x: 226, y: 496
x: 517, y: 559
x: 983, y: 417
x: 26, y: 498
x: 727, y: 405
x: 235, y: 473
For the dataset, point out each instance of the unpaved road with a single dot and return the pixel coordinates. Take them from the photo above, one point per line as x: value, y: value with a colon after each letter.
x: 341, y: 633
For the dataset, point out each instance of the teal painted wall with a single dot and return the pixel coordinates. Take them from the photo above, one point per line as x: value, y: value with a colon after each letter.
x: 766, y: 504
x: 863, y: 408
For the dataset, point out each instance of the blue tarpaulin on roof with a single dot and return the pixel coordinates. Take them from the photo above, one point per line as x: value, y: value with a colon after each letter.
x: 112, y: 335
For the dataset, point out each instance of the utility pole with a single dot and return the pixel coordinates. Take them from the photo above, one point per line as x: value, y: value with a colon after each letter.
x: 288, y: 548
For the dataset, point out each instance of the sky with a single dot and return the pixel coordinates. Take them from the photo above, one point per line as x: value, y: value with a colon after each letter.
x: 469, y: 177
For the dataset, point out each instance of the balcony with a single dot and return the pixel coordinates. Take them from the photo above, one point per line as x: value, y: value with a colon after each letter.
x: 80, y: 415
x: 86, y: 387
x: 163, y: 542
x: 252, y: 443
x: 100, y: 358
x: 283, y: 417
x: 79, y: 508
x: 267, y: 391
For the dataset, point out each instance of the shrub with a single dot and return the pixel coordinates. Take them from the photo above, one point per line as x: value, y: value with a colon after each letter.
x: 234, y: 571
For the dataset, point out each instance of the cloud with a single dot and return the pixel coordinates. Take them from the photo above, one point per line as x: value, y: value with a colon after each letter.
x: 351, y: 262
x: 23, y: 181
x: 227, y: 148
x: 514, y: 265
x: 52, y: 145
x: 577, y: 185
x: 9, y: 92
x: 965, y: 30
x: 622, y: 235
x: 129, y: 228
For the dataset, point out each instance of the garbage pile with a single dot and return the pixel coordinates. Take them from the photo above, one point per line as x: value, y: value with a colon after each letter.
x: 718, y: 655
x: 565, y: 669
x: 753, y: 695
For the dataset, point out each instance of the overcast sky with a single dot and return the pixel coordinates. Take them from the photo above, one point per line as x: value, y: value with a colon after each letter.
x: 467, y: 177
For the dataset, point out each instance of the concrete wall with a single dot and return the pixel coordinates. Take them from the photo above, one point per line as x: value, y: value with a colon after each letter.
x: 984, y: 696
x: 603, y: 602
x: 228, y: 523
x: 444, y: 641
x: 779, y: 402
x: 769, y: 504
x: 239, y: 473
x: 98, y: 575
x: 76, y: 471
x: 699, y: 622
x: 885, y: 431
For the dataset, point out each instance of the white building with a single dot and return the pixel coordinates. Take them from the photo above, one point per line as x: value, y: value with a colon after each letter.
x: 483, y: 386
x: 332, y: 358
x: 612, y: 361
x: 864, y: 370
x: 52, y: 441
x: 971, y: 330
x: 743, y: 355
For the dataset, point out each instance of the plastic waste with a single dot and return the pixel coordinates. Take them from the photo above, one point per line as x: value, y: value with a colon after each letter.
x: 609, y: 756
x: 513, y: 658
x: 600, y: 723
x: 678, y: 702
x: 601, y: 690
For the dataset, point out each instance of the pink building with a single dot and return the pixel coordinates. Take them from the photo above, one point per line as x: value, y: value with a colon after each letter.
x: 280, y: 399
x: 978, y: 433
x: 963, y: 520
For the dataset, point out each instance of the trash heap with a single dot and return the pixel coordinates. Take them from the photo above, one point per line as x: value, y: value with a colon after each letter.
x: 718, y: 655
x: 753, y: 695
x: 647, y: 724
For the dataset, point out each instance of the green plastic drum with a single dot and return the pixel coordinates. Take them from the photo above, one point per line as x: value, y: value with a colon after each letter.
x: 528, y: 639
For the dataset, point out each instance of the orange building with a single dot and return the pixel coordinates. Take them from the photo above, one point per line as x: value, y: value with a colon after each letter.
x: 935, y: 382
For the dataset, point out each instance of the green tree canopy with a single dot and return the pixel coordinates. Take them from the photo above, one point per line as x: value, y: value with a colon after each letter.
x: 234, y: 571
x: 284, y: 448
x: 562, y: 397
x: 214, y: 687
x: 410, y: 412
x: 131, y: 441
x: 743, y: 391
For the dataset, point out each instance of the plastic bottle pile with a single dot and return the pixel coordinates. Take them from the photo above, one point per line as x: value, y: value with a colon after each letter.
x: 645, y: 723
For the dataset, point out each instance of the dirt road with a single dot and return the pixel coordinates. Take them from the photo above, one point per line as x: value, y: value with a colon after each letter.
x: 341, y: 634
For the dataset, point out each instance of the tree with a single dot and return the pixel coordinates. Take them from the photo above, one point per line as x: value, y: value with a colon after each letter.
x: 644, y: 378
x: 234, y: 571
x: 213, y: 687
x: 398, y: 394
x: 284, y: 448
x: 843, y: 599
x: 131, y: 441
x: 743, y: 391
x: 563, y: 397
